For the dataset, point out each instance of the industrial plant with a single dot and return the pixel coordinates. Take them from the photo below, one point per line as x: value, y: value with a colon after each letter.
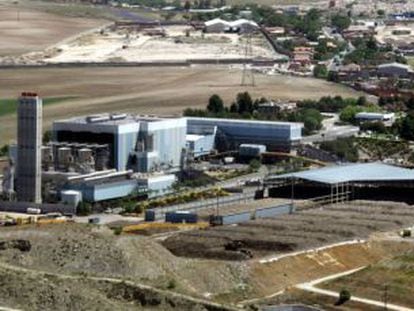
x: 108, y: 156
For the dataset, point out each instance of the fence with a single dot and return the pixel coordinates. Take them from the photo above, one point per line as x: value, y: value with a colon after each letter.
x: 275, y: 211
x: 159, y: 213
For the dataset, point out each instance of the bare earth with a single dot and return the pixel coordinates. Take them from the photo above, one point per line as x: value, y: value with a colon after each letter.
x: 27, y: 30
x: 146, y: 90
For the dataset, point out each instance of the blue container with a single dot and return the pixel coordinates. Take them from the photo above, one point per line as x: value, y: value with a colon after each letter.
x: 181, y: 217
x: 270, y: 212
x: 149, y: 215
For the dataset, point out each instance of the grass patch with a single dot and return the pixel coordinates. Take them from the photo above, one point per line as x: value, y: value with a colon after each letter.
x: 410, y: 61
x: 9, y: 106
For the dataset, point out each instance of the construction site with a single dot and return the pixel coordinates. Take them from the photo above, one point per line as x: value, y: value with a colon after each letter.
x: 141, y: 43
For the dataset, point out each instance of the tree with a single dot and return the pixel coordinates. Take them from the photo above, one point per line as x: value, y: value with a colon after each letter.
x: 348, y: 113
x: 344, y: 296
x: 333, y: 76
x: 215, y: 104
x: 84, y: 209
x: 407, y: 127
x: 362, y: 101
x: 244, y: 103
x: 187, y: 6
x: 320, y: 71
x: 254, y: 165
x: 341, y: 22
x: 377, y: 127
x: 233, y: 108
x: 47, y: 137
x: 4, y: 150
x: 381, y: 12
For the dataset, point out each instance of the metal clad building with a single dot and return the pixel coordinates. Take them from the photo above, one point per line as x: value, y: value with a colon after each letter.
x: 274, y: 135
x: 141, y: 143
x: 29, y: 144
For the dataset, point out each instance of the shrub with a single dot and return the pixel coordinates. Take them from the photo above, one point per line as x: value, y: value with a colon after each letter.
x: 84, y: 209
x: 344, y: 296
x: 117, y: 230
x: 171, y: 284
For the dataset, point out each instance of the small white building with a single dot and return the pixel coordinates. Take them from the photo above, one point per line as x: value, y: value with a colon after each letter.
x: 219, y: 25
x: 395, y: 70
x: 387, y: 118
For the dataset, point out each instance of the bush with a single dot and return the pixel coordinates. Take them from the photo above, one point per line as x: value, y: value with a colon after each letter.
x: 171, y: 284
x: 344, y: 148
x: 255, y: 164
x: 4, y: 150
x: 344, y: 296
x: 377, y: 127
x: 84, y: 209
x: 117, y: 230
x: 320, y: 71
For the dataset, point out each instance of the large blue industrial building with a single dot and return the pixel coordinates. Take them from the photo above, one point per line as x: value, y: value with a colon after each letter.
x: 280, y: 136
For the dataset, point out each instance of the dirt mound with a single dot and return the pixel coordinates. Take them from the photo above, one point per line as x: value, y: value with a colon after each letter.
x: 61, y: 292
x: 96, y: 251
x: 21, y: 245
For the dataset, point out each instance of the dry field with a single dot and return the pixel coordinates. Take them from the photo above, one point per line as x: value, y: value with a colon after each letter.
x: 24, y: 30
x: 287, y: 233
x: 146, y: 90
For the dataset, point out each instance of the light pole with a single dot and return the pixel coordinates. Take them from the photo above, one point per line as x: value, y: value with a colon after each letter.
x: 17, y: 11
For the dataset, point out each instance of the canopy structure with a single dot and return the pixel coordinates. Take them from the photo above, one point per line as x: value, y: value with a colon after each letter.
x: 362, y: 172
x: 343, y: 180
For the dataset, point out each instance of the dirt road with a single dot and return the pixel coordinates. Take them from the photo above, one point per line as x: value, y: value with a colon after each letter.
x: 311, y: 287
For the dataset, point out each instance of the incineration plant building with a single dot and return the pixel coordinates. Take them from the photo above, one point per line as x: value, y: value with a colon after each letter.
x: 139, y: 143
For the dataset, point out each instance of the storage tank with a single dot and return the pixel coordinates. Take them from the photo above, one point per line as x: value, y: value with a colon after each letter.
x: 65, y: 157
x: 71, y: 197
x: 47, y: 157
x: 85, y: 156
x: 33, y: 211
x: 102, y: 159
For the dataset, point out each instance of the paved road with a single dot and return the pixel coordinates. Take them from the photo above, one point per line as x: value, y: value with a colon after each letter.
x: 310, y: 287
x: 331, y: 131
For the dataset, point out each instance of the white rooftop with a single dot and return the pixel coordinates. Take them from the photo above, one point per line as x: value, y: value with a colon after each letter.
x: 361, y: 172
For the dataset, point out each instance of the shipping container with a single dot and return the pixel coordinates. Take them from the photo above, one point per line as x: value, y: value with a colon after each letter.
x: 181, y: 217
x: 275, y: 211
x: 230, y: 219
x: 149, y: 215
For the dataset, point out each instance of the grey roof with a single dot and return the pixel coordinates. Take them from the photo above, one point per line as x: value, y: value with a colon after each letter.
x: 353, y: 173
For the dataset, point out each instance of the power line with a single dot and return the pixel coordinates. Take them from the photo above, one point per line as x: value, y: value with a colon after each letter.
x: 247, y: 75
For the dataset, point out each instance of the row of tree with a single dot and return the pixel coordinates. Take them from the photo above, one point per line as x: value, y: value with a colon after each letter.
x: 246, y: 108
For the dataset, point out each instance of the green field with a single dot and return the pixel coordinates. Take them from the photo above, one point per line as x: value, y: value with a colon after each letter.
x: 9, y: 106
x: 410, y: 61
